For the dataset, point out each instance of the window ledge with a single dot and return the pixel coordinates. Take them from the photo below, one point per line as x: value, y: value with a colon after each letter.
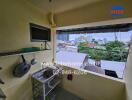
x: 94, y: 73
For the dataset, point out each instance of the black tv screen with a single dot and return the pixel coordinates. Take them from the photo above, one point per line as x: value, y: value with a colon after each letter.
x: 39, y: 33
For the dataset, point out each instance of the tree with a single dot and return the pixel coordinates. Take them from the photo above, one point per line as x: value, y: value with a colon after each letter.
x: 113, y: 44
x: 97, y: 54
x: 115, y: 50
x: 82, y: 46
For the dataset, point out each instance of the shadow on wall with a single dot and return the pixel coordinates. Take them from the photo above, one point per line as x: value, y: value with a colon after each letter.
x: 14, y: 87
x: 94, y: 87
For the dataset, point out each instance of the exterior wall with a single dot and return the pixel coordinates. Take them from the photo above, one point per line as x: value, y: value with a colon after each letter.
x: 15, y: 17
x: 100, y: 11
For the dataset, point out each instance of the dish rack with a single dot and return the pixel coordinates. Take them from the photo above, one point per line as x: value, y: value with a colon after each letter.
x: 43, y: 87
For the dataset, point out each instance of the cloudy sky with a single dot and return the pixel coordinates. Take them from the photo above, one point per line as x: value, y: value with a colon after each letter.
x: 122, y: 36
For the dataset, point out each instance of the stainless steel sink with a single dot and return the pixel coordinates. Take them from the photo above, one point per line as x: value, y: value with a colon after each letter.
x: 44, y: 81
x: 46, y: 74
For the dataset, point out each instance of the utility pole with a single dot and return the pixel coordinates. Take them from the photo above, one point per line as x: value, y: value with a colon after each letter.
x: 116, y: 38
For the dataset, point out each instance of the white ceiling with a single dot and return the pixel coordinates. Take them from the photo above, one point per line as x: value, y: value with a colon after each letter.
x: 58, y: 6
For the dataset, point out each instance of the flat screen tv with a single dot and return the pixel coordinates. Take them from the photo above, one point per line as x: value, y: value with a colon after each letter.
x: 39, y: 33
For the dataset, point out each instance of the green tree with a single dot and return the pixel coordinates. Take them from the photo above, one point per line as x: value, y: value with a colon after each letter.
x: 82, y: 46
x: 115, y: 50
x: 113, y: 44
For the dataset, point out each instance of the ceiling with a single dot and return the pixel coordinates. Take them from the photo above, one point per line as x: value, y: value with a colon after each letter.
x: 58, y: 6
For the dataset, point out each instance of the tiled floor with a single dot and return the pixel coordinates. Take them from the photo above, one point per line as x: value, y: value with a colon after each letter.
x: 61, y: 94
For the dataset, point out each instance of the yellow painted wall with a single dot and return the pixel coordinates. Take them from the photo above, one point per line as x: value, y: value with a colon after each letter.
x: 15, y: 16
x: 100, y: 11
x: 94, y: 87
x: 128, y: 76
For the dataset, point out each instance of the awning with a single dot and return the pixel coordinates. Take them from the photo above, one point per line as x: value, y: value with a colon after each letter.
x: 99, y: 29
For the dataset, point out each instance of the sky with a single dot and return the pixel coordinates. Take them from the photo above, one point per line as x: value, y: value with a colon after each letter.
x: 122, y: 36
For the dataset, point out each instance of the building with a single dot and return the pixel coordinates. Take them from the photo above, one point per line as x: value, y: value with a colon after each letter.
x: 63, y: 37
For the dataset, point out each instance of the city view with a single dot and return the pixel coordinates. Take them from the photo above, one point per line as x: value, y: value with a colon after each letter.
x: 108, y: 51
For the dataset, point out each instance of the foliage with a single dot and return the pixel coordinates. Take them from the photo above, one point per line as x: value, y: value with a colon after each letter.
x: 96, y: 54
x: 113, y: 44
x: 115, y: 51
x: 82, y: 47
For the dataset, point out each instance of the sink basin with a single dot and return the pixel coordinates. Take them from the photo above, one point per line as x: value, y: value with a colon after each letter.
x: 45, y: 74
x: 44, y: 81
x: 48, y: 73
